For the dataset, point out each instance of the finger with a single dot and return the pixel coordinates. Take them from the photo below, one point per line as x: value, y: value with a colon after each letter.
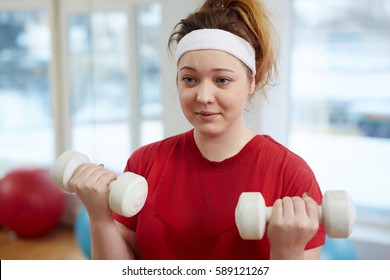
x: 299, y: 207
x: 99, y: 175
x: 84, y: 170
x: 311, y: 206
x: 89, y: 176
x: 80, y: 175
x: 106, y: 177
x: 277, y: 210
x: 93, y: 173
x: 306, y: 194
x: 96, y: 175
x: 288, y: 208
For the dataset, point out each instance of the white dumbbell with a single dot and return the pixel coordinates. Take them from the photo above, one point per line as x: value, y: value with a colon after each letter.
x: 337, y: 213
x: 127, y: 193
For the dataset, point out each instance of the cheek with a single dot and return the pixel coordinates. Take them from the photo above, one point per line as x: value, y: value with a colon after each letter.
x: 185, y: 99
x: 237, y: 102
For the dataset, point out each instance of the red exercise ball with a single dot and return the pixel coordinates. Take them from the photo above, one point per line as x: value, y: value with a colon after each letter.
x: 30, y: 203
x: 1, y: 222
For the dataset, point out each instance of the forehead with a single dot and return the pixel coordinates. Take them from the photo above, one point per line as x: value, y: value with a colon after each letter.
x: 204, y: 59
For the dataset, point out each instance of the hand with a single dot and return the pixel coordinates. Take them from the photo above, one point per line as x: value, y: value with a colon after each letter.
x: 90, y: 182
x: 294, y: 221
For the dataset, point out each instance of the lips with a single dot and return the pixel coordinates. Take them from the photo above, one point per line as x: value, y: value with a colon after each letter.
x: 206, y: 115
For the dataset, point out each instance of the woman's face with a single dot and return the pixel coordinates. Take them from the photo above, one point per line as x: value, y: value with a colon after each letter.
x: 213, y: 89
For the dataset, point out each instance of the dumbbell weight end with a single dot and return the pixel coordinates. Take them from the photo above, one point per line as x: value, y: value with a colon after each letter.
x: 252, y: 215
x: 338, y: 214
x: 65, y: 166
x: 128, y: 194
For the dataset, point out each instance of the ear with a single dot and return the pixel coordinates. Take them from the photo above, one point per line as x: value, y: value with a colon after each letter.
x: 252, y: 85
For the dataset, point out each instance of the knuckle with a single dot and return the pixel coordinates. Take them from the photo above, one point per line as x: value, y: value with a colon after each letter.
x: 74, y: 182
x: 302, y: 226
x: 287, y: 200
x: 277, y: 202
x: 85, y: 165
x: 297, y: 200
x: 315, y: 226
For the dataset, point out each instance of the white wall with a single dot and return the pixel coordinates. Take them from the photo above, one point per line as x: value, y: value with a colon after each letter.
x: 172, y: 12
x: 274, y: 113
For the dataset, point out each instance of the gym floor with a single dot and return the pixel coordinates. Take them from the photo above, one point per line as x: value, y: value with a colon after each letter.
x: 58, y: 244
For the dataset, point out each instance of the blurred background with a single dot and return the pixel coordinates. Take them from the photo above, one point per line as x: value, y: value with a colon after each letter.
x: 96, y: 76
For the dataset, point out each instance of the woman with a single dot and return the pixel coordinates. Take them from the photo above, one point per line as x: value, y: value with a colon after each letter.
x: 224, y: 55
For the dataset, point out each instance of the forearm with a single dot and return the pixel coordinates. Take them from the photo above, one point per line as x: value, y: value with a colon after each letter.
x: 286, y: 254
x: 107, y: 242
x: 295, y: 254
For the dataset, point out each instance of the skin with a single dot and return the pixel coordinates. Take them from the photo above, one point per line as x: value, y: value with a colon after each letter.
x: 213, y: 90
x: 108, y: 240
x: 294, y: 221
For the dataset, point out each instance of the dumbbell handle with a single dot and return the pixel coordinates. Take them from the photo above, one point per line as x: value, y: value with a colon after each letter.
x: 268, y: 213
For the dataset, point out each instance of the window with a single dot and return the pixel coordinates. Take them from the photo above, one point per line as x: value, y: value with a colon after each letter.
x: 341, y: 96
x: 112, y: 65
x: 96, y: 61
x: 98, y: 86
x: 26, y: 126
x: 149, y: 75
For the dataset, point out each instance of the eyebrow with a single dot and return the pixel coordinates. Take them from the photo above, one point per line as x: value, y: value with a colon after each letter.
x: 214, y: 69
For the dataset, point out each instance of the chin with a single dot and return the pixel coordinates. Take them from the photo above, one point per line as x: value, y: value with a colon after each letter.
x: 209, y: 130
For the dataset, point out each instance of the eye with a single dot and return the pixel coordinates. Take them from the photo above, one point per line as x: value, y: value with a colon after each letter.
x: 188, y: 80
x: 223, y: 81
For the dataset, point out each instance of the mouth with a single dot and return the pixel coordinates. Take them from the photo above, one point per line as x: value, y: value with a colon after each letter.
x: 206, y: 115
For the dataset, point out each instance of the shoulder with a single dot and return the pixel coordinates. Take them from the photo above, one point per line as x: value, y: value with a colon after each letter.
x: 162, y: 145
x: 283, y: 157
x: 294, y: 173
x: 155, y: 151
x: 278, y: 150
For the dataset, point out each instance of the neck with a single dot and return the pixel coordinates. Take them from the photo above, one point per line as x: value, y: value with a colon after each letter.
x: 220, y: 147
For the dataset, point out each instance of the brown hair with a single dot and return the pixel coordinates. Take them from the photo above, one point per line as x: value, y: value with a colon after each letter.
x: 245, y: 18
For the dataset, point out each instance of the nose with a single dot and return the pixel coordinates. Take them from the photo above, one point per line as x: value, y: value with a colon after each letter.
x: 205, y: 93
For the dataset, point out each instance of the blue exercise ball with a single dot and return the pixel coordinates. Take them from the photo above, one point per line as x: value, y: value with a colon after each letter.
x: 338, y: 249
x: 82, y: 232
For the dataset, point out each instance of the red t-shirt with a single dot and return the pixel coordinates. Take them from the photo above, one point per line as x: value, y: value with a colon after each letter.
x: 189, y: 212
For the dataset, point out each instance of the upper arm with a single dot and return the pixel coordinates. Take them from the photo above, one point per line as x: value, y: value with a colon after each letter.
x: 313, y: 254
x: 129, y: 236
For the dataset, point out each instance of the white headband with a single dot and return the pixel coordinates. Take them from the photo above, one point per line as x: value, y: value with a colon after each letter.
x: 217, y: 39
